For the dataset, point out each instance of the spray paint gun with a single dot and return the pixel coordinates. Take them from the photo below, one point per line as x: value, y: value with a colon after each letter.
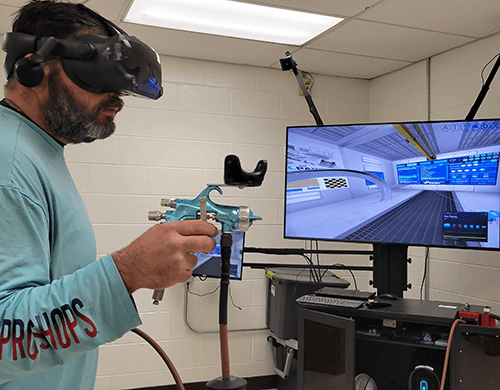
x: 202, y: 207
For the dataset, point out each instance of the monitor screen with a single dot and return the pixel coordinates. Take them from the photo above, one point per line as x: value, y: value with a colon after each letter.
x: 413, y: 183
x: 209, y: 264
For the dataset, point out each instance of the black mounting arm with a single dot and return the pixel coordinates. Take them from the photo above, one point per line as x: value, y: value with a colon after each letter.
x: 288, y: 63
x: 484, y: 90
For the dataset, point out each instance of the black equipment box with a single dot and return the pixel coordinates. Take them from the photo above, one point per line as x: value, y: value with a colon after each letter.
x: 284, y: 286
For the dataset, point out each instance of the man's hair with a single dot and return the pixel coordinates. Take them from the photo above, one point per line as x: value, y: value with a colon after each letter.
x: 59, y: 19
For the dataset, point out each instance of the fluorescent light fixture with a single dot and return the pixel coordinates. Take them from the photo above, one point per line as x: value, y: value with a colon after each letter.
x: 232, y: 19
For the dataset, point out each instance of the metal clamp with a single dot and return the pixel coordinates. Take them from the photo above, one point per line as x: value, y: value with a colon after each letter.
x: 291, y: 346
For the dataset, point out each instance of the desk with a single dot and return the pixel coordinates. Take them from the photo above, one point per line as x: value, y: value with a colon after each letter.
x: 388, y: 342
x: 402, y: 309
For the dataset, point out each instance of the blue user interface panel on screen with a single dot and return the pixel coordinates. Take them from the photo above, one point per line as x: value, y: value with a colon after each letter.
x: 464, y: 170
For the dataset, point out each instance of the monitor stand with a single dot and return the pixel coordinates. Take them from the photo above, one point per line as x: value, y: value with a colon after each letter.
x: 390, y: 268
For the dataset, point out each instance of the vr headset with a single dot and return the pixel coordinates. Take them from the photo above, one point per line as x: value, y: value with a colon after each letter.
x: 117, y: 63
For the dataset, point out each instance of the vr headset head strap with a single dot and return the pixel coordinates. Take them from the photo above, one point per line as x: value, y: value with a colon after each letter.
x: 111, y: 27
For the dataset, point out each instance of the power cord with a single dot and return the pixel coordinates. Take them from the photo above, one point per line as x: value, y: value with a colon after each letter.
x: 161, y: 352
x: 424, y: 277
x: 484, y: 68
x: 448, y: 348
x: 213, y: 292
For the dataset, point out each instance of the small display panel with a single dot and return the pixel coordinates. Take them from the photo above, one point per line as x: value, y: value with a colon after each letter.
x: 209, y: 264
x: 465, y: 226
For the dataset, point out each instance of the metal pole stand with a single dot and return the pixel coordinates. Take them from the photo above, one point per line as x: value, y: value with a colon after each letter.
x: 226, y: 381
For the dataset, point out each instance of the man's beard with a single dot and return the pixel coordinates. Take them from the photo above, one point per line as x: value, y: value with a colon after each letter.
x: 70, y: 121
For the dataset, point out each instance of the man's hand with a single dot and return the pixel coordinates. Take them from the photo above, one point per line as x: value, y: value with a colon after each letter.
x: 162, y: 256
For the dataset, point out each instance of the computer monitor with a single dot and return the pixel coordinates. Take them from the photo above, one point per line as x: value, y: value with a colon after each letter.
x: 413, y: 183
x: 209, y: 264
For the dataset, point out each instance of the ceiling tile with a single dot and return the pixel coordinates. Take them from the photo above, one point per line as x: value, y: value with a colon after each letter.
x: 345, y: 65
x: 386, y: 41
x: 464, y: 17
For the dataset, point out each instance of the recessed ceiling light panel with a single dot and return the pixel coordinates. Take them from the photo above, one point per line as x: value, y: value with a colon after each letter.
x: 232, y: 19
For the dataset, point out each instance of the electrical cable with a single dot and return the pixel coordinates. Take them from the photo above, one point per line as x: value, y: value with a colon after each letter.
x: 213, y: 292
x: 485, y: 87
x: 310, y: 260
x: 354, y: 279
x: 232, y: 300
x: 319, y: 275
x: 201, y: 295
x: 310, y: 75
x: 484, y: 68
x: 312, y: 271
x: 161, y: 352
x: 342, y: 265
x: 191, y: 328
x: 448, y: 348
x: 425, y: 271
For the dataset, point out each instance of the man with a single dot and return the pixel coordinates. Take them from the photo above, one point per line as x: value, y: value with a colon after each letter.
x: 57, y: 304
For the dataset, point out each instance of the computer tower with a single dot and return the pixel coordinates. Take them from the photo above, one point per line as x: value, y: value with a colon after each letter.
x: 326, y: 356
x: 284, y: 286
x: 475, y: 358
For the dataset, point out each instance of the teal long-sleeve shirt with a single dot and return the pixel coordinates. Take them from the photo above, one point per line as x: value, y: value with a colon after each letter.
x: 57, y: 303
